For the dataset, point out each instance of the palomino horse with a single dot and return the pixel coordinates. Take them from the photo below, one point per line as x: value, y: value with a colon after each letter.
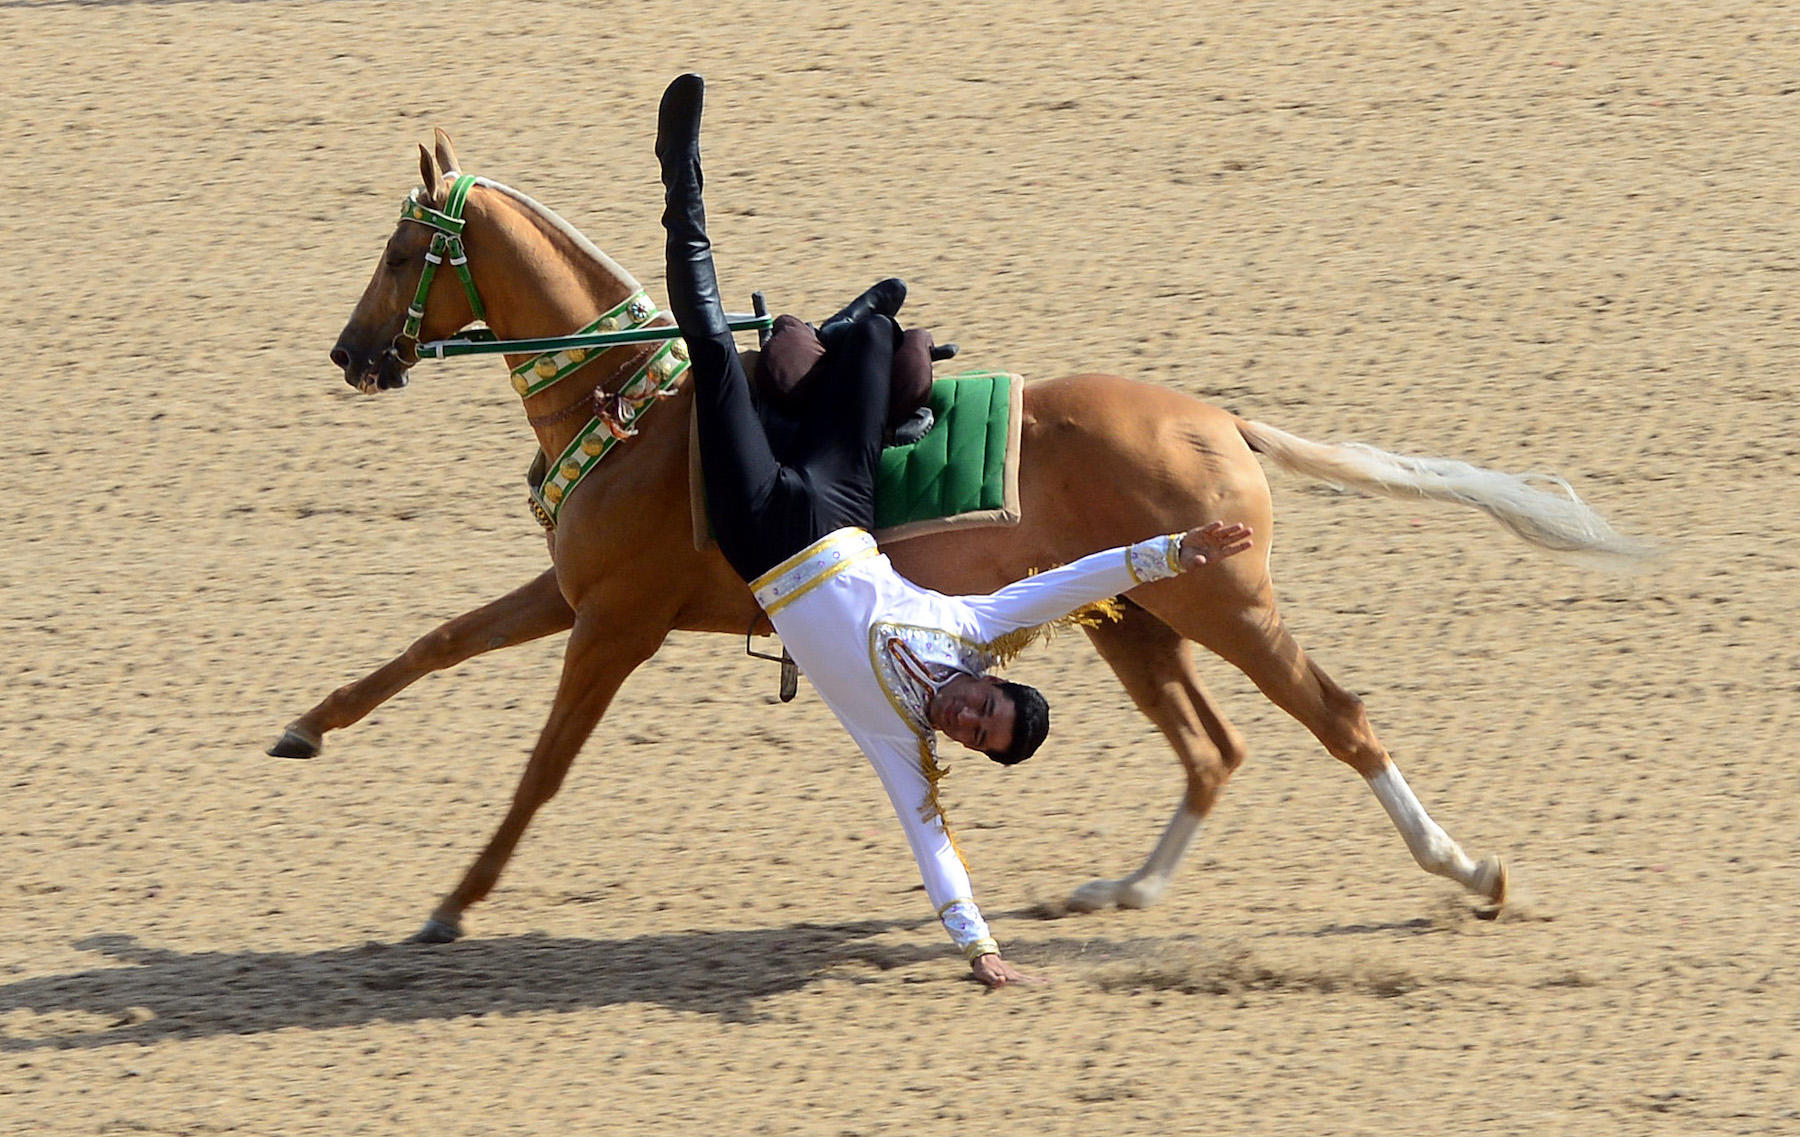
x: 1106, y: 461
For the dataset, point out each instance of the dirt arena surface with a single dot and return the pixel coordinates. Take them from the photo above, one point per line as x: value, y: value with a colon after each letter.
x: 1561, y: 238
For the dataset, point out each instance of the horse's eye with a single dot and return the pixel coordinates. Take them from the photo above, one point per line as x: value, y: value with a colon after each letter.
x: 396, y: 261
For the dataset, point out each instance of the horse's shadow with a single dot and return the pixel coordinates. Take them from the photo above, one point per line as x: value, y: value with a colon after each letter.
x: 170, y: 994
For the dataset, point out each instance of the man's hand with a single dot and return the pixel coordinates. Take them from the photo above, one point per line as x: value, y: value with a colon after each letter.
x: 1211, y: 542
x: 996, y: 972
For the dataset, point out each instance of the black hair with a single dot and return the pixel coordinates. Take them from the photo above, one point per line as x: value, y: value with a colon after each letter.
x: 1031, y: 723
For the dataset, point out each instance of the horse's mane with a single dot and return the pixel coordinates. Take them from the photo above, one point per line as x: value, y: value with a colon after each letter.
x: 555, y: 221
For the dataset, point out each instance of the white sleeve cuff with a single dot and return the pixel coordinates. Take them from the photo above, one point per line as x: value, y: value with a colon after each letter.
x: 967, y: 929
x: 1156, y: 559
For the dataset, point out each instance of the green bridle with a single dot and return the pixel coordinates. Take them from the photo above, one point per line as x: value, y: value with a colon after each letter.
x: 446, y: 240
x: 614, y: 415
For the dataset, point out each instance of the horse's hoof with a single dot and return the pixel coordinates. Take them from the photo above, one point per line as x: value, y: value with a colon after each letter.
x: 1096, y: 896
x: 436, y: 931
x: 1491, y: 879
x: 1132, y: 892
x: 297, y: 742
x: 1140, y: 893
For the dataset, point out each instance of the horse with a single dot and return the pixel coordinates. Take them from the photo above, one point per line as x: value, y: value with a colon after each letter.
x: 1105, y: 461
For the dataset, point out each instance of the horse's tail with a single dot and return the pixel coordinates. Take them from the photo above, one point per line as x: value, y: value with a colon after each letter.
x: 1539, y: 508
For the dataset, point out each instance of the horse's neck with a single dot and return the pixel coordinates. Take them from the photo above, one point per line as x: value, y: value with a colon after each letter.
x: 547, y: 280
x: 542, y: 279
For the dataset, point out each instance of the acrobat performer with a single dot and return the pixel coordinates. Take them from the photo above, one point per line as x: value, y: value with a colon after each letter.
x: 895, y: 662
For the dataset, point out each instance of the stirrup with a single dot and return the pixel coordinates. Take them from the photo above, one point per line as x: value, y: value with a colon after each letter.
x: 790, y: 671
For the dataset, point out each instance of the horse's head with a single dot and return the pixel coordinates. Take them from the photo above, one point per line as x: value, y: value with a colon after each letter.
x: 408, y: 299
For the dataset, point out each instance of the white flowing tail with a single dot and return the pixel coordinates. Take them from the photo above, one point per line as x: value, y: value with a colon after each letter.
x: 1551, y: 518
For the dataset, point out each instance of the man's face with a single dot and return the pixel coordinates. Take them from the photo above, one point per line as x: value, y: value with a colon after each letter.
x: 974, y: 711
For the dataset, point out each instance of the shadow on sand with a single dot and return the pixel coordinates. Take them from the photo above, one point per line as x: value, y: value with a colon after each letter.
x: 169, y: 994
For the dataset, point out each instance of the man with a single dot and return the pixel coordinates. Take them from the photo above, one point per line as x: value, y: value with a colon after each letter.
x: 895, y: 662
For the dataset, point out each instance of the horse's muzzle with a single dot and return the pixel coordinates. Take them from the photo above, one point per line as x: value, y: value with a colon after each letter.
x: 384, y: 371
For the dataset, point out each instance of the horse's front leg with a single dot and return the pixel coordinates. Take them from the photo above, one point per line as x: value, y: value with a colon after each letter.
x: 608, y: 643
x: 526, y: 613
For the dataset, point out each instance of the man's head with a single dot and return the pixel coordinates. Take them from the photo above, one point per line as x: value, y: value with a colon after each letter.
x: 1005, y: 721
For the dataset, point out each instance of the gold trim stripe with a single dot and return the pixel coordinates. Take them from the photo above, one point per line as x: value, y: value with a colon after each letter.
x: 854, y: 558
x: 811, y: 566
x: 847, y: 534
x: 816, y: 581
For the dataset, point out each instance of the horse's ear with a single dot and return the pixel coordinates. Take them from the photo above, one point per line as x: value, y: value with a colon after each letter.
x: 446, y: 153
x: 431, y: 176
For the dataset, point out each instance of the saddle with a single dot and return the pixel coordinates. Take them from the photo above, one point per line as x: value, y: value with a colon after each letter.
x: 790, y: 363
x: 962, y: 472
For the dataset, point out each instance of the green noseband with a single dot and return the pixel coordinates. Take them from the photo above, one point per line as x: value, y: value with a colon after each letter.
x: 446, y: 241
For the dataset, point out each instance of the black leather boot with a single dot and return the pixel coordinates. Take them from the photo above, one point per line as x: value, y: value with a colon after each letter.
x: 884, y: 296
x: 693, y: 283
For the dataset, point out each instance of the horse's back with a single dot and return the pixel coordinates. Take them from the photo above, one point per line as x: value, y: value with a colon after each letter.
x: 1144, y: 452
x: 1104, y: 461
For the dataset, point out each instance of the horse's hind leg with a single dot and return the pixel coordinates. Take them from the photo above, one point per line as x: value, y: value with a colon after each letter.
x: 527, y: 613
x: 1252, y: 637
x: 1156, y: 667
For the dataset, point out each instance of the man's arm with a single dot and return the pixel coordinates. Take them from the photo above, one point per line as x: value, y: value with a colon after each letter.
x: 1054, y: 594
x: 898, y: 762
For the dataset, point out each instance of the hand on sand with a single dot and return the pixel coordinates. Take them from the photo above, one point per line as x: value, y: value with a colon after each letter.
x: 1211, y: 542
x: 996, y: 972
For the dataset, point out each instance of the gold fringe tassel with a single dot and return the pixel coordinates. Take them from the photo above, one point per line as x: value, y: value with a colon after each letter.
x: 934, y: 808
x: 1006, y: 648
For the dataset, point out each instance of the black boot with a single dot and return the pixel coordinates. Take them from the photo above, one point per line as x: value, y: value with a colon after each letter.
x: 884, y: 296
x: 693, y: 283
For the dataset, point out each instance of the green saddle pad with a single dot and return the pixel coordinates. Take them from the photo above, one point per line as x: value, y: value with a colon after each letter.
x: 965, y: 470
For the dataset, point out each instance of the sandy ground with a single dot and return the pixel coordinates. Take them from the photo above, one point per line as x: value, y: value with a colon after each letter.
x: 1557, y: 239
